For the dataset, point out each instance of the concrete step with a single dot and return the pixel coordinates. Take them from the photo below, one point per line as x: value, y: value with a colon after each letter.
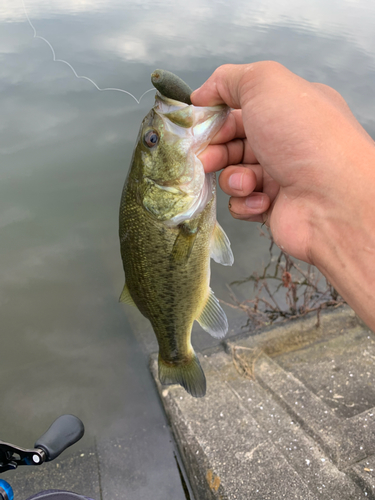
x: 289, y: 413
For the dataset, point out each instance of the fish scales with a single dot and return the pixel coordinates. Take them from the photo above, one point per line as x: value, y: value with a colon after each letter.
x: 158, y: 293
x: 168, y: 230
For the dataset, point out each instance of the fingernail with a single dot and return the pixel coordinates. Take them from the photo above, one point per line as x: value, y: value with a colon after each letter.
x: 255, y: 201
x: 235, y: 181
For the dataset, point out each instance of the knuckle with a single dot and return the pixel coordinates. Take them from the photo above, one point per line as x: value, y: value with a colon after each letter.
x: 331, y: 93
x: 270, y: 69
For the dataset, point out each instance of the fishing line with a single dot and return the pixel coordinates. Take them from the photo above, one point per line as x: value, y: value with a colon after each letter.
x: 71, y: 67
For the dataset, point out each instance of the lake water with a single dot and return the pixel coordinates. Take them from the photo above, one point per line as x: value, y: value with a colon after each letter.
x: 67, y: 345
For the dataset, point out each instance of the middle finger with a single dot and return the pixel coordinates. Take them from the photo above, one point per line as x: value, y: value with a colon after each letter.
x: 241, y: 180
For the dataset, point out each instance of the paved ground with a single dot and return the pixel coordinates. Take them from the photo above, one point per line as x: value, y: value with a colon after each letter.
x: 127, y: 452
x: 113, y: 469
x: 289, y: 413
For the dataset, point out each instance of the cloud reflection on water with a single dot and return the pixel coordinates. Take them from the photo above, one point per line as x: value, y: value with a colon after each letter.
x: 58, y: 128
x: 174, y: 19
x: 118, y: 44
x: 50, y: 119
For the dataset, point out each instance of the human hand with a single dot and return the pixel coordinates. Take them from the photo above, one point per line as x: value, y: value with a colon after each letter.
x: 286, y: 152
x: 295, y: 157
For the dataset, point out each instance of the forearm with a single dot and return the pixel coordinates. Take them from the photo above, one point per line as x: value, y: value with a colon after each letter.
x: 343, y: 242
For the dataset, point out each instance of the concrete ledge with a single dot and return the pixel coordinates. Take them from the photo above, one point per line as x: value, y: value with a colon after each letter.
x: 288, y: 414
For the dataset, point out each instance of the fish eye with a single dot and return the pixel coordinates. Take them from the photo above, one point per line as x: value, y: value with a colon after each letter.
x: 151, y: 138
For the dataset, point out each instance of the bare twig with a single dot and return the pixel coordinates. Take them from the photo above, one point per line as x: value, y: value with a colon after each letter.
x: 246, y: 365
x: 284, y: 291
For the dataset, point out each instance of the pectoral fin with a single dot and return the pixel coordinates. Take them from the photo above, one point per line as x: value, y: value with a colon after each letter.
x: 184, y: 243
x: 220, y: 247
x: 213, y: 318
x: 125, y: 296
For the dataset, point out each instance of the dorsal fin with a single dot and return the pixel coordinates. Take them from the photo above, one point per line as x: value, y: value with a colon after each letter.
x: 213, y: 318
x: 220, y: 247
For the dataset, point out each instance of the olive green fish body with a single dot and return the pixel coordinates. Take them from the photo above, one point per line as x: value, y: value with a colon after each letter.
x: 168, y: 231
x: 168, y: 292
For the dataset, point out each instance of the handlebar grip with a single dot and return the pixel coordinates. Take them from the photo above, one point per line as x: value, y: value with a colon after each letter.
x: 65, y: 431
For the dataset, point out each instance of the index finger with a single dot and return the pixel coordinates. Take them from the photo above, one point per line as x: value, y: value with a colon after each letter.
x: 232, y: 129
x: 228, y: 147
x: 223, y: 86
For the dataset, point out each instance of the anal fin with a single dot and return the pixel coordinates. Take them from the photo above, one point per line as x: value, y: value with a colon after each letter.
x: 213, y: 319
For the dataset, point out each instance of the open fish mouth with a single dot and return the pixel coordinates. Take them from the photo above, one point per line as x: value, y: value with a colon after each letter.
x: 198, y: 123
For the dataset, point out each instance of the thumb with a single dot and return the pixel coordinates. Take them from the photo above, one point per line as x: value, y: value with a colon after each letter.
x: 224, y: 86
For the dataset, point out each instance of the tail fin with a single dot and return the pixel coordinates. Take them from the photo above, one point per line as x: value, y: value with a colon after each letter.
x: 188, y: 374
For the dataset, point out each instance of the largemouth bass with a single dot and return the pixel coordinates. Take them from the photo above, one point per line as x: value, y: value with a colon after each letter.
x: 169, y: 231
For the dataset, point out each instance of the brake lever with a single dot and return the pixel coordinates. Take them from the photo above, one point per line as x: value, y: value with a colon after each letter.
x: 65, y: 431
x: 12, y: 456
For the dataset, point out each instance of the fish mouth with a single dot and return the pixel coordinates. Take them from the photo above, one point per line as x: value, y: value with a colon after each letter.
x: 190, y: 129
x: 198, y: 123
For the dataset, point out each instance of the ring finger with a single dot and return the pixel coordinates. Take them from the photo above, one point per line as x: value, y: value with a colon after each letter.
x: 250, y: 208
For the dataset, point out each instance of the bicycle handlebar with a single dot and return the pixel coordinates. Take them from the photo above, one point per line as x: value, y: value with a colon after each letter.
x: 65, y: 431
